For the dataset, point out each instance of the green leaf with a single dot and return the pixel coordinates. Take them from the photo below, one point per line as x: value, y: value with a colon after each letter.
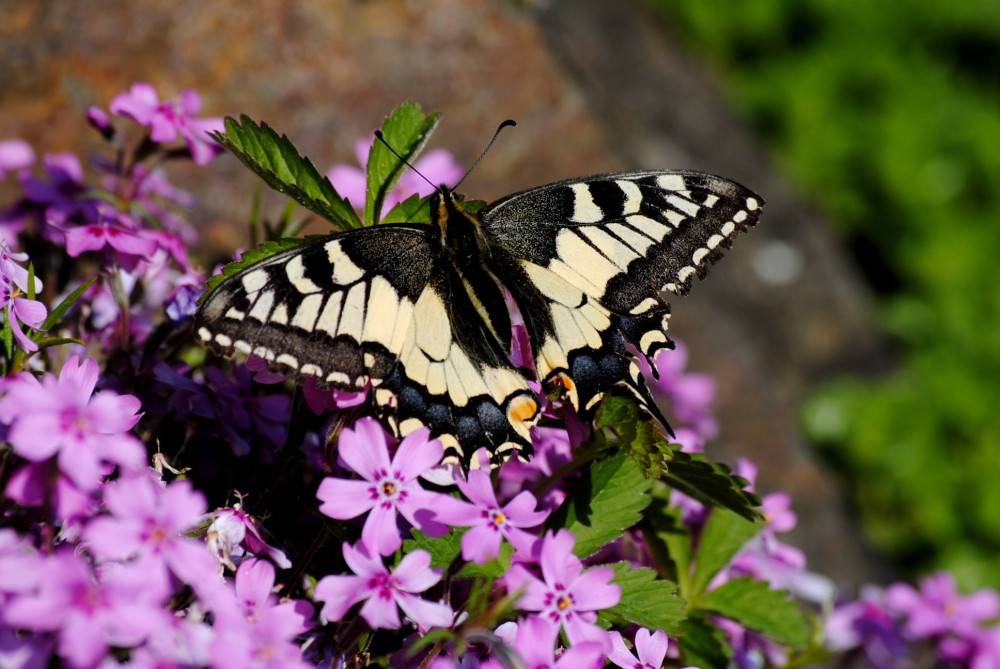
x: 443, y: 550
x: 711, y: 483
x: 48, y: 342
x: 723, y: 536
x: 608, y: 498
x: 755, y: 605
x: 493, y: 569
x: 252, y: 257
x: 636, y: 433
x: 703, y: 644
x: 406, y: 130
x: 276, y: 160
x: 31, y: 281
x: 7, y: 334
x: 411, y: 210
x: 646, y: 600
x: 669, y: 540
x: 56, y: 314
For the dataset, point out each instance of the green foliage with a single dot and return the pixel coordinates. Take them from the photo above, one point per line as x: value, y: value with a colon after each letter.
x: 276, y: 160
x: 754, y: 605
x: 608, y: 498
x: 711, y: 483
x: 723, y: 536
x: 885, y: 113
x: 406, y: 131
x: 646, y: 600
x: 703, y: 644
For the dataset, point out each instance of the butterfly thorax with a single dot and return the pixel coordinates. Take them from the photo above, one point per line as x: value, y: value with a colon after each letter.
x: 461, y: 230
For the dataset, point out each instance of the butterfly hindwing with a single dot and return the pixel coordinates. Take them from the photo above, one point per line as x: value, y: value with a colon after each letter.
x: 601, y: 252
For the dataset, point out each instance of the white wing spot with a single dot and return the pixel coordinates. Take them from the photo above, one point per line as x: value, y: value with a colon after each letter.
x: 685, y: 273
x: 262, y: 307
x: 242, y: 346
x: 633, y: 196
x: 752, y: 204
x: 307, y: 313
x: 584, y: 208
x: 280, y: 315
x: 671, y: 182
x: 254, y: 281
x: 714, y: 241
x: 345, y: 272
x: 740, y: 216
x: 729, y: 228
x: 235, y: 314
x: 687, y: 206
x: 223, y: 340
x: 205, y: 334
x: 699, y: 255
x: 264, y: 352
x: 296, y: 271
x: 286, y: 359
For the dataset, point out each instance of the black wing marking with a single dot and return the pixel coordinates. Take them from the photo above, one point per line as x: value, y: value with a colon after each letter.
x: 612, y: 243
x: 380, y: 305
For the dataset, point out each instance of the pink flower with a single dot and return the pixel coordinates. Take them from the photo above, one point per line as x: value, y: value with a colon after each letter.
x: 535, y: 642
x: 651, y: 648
x: 62, y: 418
x: 566, y: 595
x: 437, y: 165
x: 15, y: 154
x: 252, y: 628
x: 690, y: 395
x: 96, y: 236
x: 23, y: 311
x: 167, y: 120
x: 149, y: 521
x: 488, y: 520
x: 89, y: 612
x: 937, y: 607
x: 382, y: 590
x: 388, y: 486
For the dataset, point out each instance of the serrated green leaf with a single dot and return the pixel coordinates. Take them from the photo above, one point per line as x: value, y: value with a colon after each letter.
x: 250, y: 258
x: 703, y: 644
x: 646, y: 600
x: 443, y: 550
x: 608, y: 498
x: 406, y: 130
x: 669, y: 540
x: 636, y: 433
x: 711, y: 483
x: 755, y: 605
x: 66, y: 304
x: 411, y: 210
x: 723, y: 536
x: 275, y: 159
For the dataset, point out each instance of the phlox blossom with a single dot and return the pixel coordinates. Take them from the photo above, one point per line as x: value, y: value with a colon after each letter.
x: 167, y: 120
x: 566, y: 595
x: 488, y: 520
x: 383, y: 590
x: 938, y: 608
x: 148, y: 521
x: 388, y: 486
x: 63, y: 418
x: 651, y: 647
x: 534, y: 640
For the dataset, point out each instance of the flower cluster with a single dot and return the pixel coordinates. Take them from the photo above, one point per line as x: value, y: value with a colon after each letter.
x: 163, y: 508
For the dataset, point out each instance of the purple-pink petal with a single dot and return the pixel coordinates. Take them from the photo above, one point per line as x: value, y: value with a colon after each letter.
x: 339, y: 594
x: 380, y: 533
x: 381, y: 613
x: 478, y: 489
x: 557, y: 557
x: 520, y: 511
x: 481, y: 544
x: 594, y: 591
x: 362, y: 561
x: 363, y: 448
x: 416, y: 454
x: 652, y: 647
x: 414, y: 573
x: 344, y: 498
x: 426, y: 614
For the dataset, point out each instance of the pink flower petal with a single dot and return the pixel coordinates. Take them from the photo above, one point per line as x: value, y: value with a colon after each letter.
x: 481, y: 544
x: 343, y: 498
x: 414, y: 573
x: 478, y: 489
x: 425, y: 614
x: 380, y: 613
x: 416, y: 454
x: 363, y: 448
x: 594, y: 591
x: 652, y: 647
x: 380, y: 532
x: 339, y: 594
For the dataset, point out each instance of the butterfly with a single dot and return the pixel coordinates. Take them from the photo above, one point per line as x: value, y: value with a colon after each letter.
x: 420, y: 313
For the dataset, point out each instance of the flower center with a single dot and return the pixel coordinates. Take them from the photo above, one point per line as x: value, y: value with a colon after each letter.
x: 564, y: 602
x: 499, y: 518
x: 389, y: 488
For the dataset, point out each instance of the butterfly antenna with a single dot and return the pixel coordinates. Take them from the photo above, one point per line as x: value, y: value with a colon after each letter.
x: 508, y: 123
x: 378, y: 134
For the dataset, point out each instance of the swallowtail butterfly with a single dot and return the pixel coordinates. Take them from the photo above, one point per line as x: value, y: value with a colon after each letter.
x: 419, y: 312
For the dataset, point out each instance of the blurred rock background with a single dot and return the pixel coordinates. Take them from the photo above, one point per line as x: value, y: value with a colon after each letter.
x: 594, y: 86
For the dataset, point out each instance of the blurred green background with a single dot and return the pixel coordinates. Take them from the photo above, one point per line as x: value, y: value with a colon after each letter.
x: 888, y: 116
